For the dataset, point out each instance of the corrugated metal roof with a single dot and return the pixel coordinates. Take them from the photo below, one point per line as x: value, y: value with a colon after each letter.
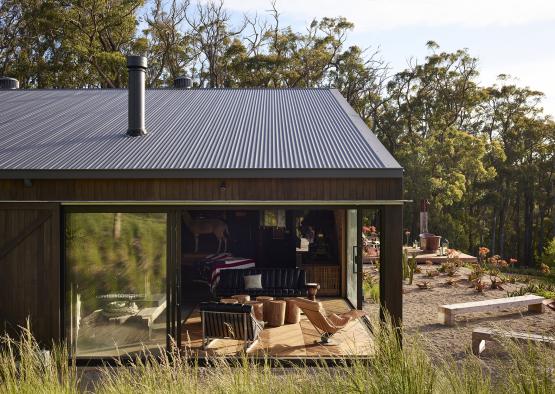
x: 195, y: 132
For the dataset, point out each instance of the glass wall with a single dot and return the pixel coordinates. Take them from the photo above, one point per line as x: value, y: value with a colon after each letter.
x: 371, y: 241
x: 115, y: 282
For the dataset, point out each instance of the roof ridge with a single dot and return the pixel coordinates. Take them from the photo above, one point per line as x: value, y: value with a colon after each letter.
x: 163, y: 89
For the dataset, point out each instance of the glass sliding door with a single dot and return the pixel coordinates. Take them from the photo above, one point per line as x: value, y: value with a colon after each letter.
x: 354, y: 265
x: 116, y: 282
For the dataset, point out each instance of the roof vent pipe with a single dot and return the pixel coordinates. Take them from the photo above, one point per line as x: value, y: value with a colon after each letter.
x: 182, y: 82
x: 7, y: 83
x: 136, y: 68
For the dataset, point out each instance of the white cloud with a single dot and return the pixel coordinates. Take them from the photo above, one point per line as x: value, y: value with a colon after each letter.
x: 389, y: 14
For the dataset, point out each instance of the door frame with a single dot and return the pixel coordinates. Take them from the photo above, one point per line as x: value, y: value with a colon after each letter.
x: 360, y: 268
x: 349, y: 265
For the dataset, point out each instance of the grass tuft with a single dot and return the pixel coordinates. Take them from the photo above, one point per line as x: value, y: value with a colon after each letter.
x: 392, y: 369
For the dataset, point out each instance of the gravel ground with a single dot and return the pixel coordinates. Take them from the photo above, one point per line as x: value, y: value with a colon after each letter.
x: 420, y: 314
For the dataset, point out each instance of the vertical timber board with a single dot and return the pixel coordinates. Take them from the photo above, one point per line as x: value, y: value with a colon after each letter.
x: 391, y: 270
x: 30, y: 266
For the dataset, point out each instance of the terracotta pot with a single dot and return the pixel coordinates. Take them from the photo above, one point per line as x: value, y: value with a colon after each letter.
x: 429, y: 242
x: 432, y: 243
x: 423, y: 238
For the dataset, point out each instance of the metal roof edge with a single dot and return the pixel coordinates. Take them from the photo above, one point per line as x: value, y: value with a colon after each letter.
x: 201, y: 173
x: 382, y: 153
x: 165, y: 88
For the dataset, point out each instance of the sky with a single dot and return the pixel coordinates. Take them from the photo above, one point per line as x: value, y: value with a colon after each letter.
x: 508, y: 36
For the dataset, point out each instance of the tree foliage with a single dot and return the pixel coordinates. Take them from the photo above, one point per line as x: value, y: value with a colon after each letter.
x: 482, y: 155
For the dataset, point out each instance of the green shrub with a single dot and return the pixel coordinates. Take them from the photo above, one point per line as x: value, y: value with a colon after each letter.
x: 409, y: 267
x: 548, y: 257
x: 540, y: 288
x: 371, y: 288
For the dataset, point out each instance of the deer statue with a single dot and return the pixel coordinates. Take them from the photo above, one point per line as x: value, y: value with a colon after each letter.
x: 207, y: 226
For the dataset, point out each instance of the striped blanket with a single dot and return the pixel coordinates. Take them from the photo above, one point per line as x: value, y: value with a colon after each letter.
x: 213, y: 264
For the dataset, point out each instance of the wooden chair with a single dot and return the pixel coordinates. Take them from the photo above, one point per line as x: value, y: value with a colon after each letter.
x: 326, y: 325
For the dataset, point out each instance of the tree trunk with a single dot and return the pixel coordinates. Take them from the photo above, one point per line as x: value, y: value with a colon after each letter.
x: 502, y: 221
x: 528, y: 227
x: 469, y: 226
x: 517, y: 229
x: 493, y: 232
x: 117, y: 225
x: 416, y: 222
x: 540, y: 237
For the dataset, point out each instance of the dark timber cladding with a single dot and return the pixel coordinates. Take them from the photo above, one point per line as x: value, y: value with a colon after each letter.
x: 391, y: 275
x: 30, y: 265
x: 373, y: 189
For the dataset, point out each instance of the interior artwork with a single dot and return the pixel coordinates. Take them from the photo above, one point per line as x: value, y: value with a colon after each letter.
x: 273, y: 218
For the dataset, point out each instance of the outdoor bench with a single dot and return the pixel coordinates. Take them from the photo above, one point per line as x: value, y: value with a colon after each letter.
x: 481, y: 334
x: 446, y: 313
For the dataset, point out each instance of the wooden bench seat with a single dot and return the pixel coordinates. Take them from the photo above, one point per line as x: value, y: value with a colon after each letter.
x: 446, y: 313
x: 480, y: 335
x: 151, y: 314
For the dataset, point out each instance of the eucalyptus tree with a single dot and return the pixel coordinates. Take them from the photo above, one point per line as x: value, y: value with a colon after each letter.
x: 167, y: 46
x: 513, y: 119
x: 212, y: 35
x: 427, y: 121
x: 33, y: 47
x: 100, y: 33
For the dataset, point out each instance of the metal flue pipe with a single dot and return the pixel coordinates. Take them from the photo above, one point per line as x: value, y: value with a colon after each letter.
x: 136, y: 67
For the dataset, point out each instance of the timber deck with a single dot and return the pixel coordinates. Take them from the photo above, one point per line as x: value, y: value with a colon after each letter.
x: 287, y: 341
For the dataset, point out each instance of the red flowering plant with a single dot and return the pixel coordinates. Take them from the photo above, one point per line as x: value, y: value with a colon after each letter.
x: 482, y: 254
x: 496, y: 263
x: 369, y: 230
x: 453, y: 262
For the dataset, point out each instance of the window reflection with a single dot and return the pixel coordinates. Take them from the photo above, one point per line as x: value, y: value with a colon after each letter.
x: 116, y: 282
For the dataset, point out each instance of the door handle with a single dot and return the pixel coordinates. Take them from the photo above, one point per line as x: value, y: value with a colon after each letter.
x: 355, y: 255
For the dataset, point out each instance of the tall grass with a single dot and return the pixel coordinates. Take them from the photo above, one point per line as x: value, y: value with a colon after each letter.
x: 528, y: 369
x: 25, y: 368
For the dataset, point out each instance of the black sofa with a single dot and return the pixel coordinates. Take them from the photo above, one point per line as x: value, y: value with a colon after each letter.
x: 276, y: 282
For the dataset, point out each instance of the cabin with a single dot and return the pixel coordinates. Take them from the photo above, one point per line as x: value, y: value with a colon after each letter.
x: 126, y: 213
